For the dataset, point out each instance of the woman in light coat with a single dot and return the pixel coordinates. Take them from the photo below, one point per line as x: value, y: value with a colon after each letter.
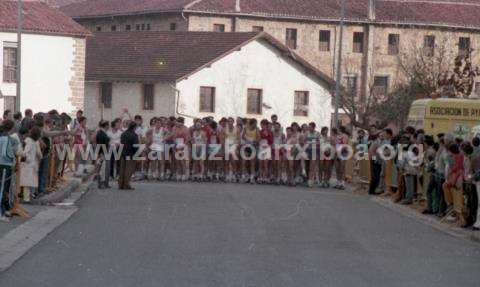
x: 32, y: 154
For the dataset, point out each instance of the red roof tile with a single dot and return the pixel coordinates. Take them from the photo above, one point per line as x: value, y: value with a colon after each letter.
x: 421, y: 12
x: 168, y: 56
x: 460, y: 13
x: 121, y: 7
x: 38, y: 18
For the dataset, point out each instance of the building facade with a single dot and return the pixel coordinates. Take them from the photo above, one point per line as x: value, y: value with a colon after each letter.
x: 234, y: 74
x: 52, y: 59
x: 379, y: 35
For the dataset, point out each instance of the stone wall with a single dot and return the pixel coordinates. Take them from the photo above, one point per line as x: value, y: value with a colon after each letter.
x: 374, y: 61
x: 77, y: 82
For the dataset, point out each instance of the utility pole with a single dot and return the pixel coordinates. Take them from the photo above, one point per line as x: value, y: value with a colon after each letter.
x: 339, y: 63
x: 19, y: 54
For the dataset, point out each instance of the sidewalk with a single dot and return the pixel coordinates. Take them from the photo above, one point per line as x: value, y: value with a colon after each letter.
x: 431, y: 220
x: 47, y: 213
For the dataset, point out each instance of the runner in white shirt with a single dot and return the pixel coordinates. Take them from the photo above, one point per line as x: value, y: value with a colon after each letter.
x: 115, y: 133
x: 157, y: 137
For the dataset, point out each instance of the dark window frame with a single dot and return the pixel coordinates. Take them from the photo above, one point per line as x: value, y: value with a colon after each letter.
x: 358, y: 42
x: 429, y: 45
x: 464, y: 45
x: 220, y: 28
x: 257, y: 29
x: 173, y: 26
x: 386, y: 86
x: 257, y: 110
x: 291, y: 38
x: 9, y: 64
x: 301, y: 100
x: 106, y: 95
x: 207, y: 99
x: 393, y: 44
x: 148, y: 100
x: 324, y: 38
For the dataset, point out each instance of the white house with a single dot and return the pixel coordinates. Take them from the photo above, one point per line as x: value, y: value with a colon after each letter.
x: 199, y: 74
x: 52, y: 59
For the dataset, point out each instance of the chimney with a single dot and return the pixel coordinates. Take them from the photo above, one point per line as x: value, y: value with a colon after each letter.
x: 237, y: 6
x: 371, y: 10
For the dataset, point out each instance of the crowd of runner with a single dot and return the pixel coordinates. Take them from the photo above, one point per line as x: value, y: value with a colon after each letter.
x: 409, y: 165
x: 232, y: 150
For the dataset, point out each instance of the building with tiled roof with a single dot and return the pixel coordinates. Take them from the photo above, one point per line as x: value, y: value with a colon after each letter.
x: 458, y: 13
x: 52, y: 58
x: 200, y: 74
x: 377, y: 35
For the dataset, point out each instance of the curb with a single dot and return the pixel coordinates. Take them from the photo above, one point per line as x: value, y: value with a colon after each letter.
x: 429, y: 220
x: 59, y: 195
x: 20, y: 240
x: 62, y: 194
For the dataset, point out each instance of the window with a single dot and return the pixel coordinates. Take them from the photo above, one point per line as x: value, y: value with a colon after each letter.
x: 358, y: 42
x: 148, y: 97
x: 143, y: 27
x: 173, y: 26
x: 463, y: 46
x: 148, y: 26
x: 99, y: 28
x: 325, y: 40
x: 207, y: 99
x: 113, y: 28
x: 106, y: 95
x: 257, y: 29
x: 351, y: 86
x: 10, y: 103
x: 128, y: 27
x: 291, y: 38
x: 393, y: 44
x: 9, y: 64
x: 254, y: 101
x: 300, y: 107
x: 137, y: 27
x: 380, y: 86
x: 218, y: 28
x: 429, y: 45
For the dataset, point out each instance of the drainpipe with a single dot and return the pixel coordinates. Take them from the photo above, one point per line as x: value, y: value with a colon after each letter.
x: 338, y: 78
x: 371, y: 10
x: 369, y: 51
x: 177, y: 104
x: 238, y: 9
x: 19, y: 55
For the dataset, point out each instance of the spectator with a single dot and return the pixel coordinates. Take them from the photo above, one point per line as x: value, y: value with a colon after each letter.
x: 7, y: 115
x: 32, y: 154
x: 130, y: 142
x: 8, y: 149
x: 17, y: 118
x: 103, y: 142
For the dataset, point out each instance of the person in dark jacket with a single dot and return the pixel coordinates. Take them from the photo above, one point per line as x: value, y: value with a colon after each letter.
x: 103, y: 146
x: 129, y: 142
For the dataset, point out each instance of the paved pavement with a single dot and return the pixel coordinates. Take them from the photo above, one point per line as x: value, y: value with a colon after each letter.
x: 17, y: 221
x: 242, y: 235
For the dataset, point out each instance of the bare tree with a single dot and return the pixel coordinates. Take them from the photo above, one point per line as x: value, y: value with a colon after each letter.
x: 422, y: 72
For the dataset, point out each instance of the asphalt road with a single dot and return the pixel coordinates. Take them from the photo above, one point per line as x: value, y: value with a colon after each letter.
x: 242, y: 235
